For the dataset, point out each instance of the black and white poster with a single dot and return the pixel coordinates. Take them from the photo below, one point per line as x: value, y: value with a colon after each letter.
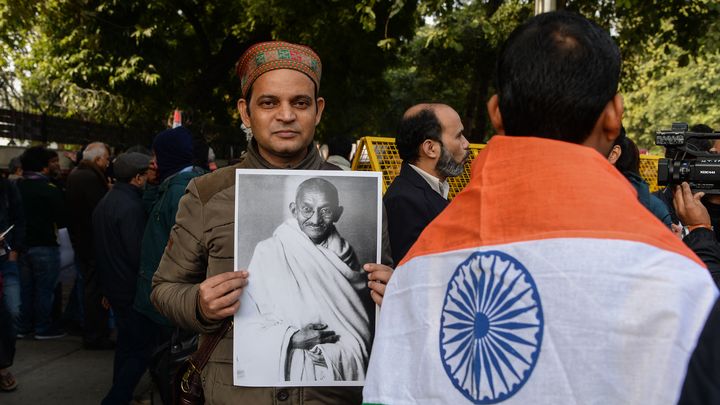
x: 305, y: 317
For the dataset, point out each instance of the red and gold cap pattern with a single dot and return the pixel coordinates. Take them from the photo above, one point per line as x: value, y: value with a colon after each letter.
x: 266, y: 56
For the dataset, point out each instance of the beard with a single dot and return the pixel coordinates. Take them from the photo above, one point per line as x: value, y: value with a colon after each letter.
x: 447, y: 166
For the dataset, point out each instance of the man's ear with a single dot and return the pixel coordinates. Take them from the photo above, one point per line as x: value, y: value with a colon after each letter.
x: 607, y: 127
x: 493, y: 108
x: 242, y: 106
x: 612, y: 116
x: 320, y: 102
x: 292, y: 207
x: 430, y: 149
x: 338, y: 213
x: 615, y: 153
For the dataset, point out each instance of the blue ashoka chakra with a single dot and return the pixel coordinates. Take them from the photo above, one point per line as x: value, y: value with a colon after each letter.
x: 491, y: 327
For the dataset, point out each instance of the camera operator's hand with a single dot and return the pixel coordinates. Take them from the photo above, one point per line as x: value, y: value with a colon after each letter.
x: 676, y: 230
x: 689, y: 208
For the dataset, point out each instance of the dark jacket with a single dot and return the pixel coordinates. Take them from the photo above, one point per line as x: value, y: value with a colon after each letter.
x: 702, y: 381
x: 411, y: 204
x: 666, y: 196
x: 714, y: 211
x: 12, y: 213
x: 155, y: 237
x: 44, y: 207
x: 84, y: 188
x: 118, y: 226
x: 702, y: 241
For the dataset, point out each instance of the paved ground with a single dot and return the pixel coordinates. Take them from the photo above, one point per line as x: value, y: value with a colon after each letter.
x: 61, y: 372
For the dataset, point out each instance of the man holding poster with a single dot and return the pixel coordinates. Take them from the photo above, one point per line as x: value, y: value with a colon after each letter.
x: 195, y: 285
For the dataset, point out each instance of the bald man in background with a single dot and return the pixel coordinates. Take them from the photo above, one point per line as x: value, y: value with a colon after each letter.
x: 85, y: 187
x: 433, y: 148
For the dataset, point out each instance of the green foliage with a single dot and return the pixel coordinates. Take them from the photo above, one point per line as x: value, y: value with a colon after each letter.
x: 452, y: 60
x: 672, y: 74
x: 667, y: 47
x: 131, y: 62
x: 667, y: 92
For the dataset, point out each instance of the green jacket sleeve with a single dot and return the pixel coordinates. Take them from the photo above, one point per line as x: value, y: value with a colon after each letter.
x: 183, y: 266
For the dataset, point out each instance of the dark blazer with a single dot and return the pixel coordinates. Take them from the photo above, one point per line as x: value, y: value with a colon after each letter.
x: 85, y: 187
x: 411, y: 204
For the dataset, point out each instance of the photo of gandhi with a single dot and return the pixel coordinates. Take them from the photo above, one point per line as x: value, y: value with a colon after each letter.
x: 305, y: 312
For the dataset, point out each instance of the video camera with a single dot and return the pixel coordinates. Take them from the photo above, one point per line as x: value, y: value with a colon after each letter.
x: 701, y: 169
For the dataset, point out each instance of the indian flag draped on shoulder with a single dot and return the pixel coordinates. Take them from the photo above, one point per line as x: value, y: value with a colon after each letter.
x: 543, y: 282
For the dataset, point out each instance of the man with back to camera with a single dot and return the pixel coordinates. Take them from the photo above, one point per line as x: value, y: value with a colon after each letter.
x: 431, y: 144
x: 592, y: 301
x: 320, y: 328
x: 195, y: 285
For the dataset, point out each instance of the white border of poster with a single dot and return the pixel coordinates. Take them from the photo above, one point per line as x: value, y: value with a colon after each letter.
x: 305, y: 315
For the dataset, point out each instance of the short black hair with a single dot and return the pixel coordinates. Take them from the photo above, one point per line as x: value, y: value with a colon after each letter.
x: 414, y: 130
x: 692, y: 144
x: 629, y: 160
x: 554, y: 76
x: 702, y: 128
x: 340, y: 145
x: 701, y: 145
x: 36, y: 158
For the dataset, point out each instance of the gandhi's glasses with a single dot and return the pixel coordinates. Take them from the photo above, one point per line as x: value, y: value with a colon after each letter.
x: 307, y: 212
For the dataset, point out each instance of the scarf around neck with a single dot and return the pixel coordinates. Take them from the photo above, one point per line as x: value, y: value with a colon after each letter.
x: 253, y: 159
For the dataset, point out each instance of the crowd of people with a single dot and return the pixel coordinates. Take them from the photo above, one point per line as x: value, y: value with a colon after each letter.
x: 617, y: 303
x: 118, y: 214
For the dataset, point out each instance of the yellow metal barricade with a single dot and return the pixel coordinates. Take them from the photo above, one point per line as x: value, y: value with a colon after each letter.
x: 649, y: 170
x: 381, y: 155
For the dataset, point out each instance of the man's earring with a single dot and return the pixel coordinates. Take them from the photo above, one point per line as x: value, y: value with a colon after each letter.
x: 248, y: 132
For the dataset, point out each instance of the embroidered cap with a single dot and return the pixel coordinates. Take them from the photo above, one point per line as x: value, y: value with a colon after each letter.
x: 266, y: 56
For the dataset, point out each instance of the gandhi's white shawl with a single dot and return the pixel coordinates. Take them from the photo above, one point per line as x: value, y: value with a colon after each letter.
x: 294, y: 282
